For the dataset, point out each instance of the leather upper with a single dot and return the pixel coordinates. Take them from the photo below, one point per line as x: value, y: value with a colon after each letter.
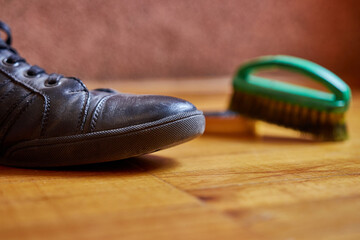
x: 31, y: 107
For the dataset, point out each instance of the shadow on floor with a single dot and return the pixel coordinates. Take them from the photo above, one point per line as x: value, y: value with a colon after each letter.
x: 130, y: 166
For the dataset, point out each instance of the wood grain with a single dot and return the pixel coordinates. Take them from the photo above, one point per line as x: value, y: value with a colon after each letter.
x: 274, y: 185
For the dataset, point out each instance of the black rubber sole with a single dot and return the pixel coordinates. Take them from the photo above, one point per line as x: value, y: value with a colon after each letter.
x: 104, y: 146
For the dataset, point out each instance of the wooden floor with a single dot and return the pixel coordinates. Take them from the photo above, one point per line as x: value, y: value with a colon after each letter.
x: 274, y: 185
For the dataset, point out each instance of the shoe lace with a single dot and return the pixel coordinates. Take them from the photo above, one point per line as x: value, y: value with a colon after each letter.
x: 15, y: 58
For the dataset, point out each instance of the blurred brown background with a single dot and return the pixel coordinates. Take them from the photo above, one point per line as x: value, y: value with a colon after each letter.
x: 117, y: 39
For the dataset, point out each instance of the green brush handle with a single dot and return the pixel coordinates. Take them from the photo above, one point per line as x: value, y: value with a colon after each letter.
x: 336, y: 101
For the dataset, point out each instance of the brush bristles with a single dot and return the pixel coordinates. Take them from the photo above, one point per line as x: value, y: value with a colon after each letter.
x: 322, y: 125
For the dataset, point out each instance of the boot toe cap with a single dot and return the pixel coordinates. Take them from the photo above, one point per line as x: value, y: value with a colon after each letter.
x: 122, y: 110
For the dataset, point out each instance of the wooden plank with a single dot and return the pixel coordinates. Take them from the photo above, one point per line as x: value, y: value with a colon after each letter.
x: 107, y: 200
x: 315, y: 208
x: 275, y: 185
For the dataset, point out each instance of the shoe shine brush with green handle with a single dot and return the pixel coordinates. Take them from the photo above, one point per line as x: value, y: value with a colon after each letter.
x: 322, y: 114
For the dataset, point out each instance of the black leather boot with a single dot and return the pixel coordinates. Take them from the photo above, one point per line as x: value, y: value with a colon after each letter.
x: 51, y: 120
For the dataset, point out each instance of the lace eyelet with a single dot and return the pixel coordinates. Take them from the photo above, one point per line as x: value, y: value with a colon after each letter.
x: 26, y: 74
x: 7, y: 63
x: 51, y: 83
